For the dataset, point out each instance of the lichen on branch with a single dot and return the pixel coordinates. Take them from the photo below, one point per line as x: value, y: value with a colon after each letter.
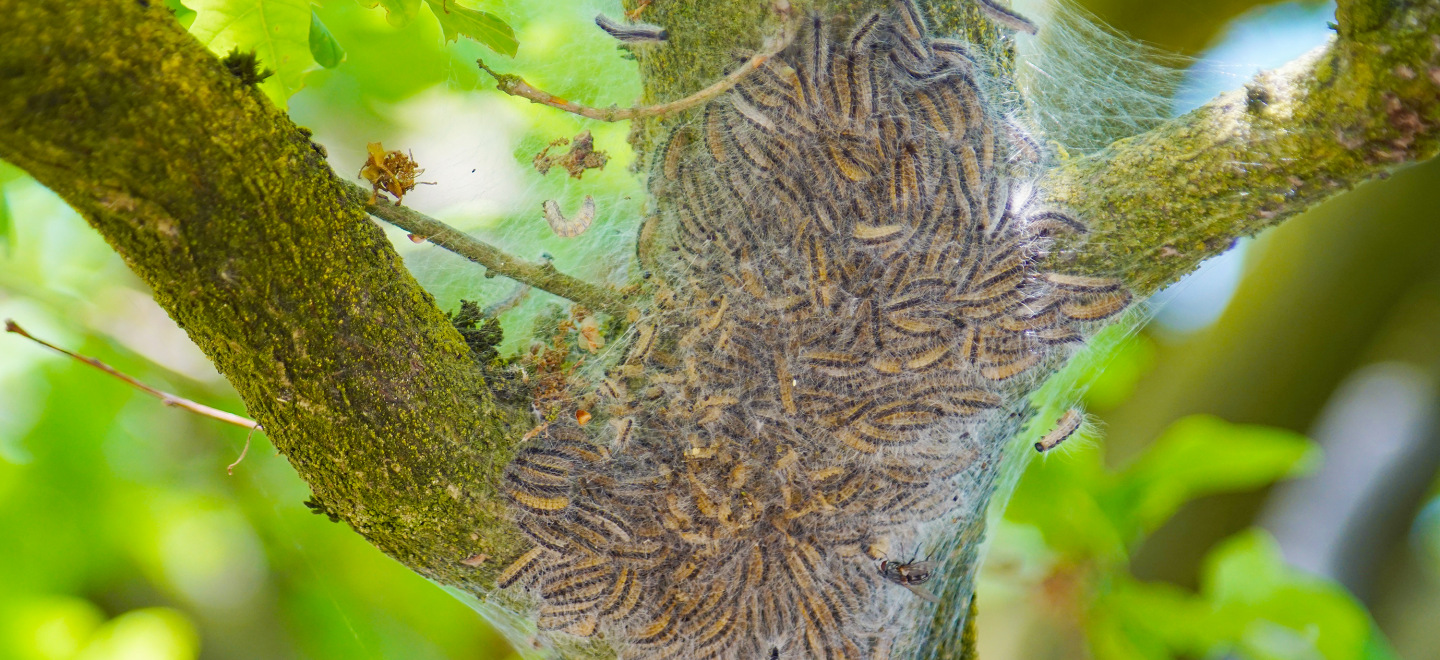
x: 269, y: 262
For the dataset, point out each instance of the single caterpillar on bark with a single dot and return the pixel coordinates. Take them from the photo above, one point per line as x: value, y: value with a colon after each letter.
x: 847, y: 256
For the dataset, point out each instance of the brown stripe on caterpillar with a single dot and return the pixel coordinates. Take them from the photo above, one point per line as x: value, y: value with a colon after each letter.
x: 911, y: 23
x: 853, y: 439
x: 523, y: 566
x: 817, y: 53
x: 643, y: 554
x: 972, y: 179
x: 877, y: 436
x: 580, y: 534
x: 954, y: 51
x: 1052, y: 223
x: 1067, y: 425
x: 905, y: 416
x: 536, y: 480
x: 661, y: 627
x: 840, y: 100
x: 864, y: 92
x: 945, y: 122
x: 569, y: 227
x: 865, y: 30
x: 583, y: 627
x: 1055, y: 336
x: 1012, y: 369
x: 850, y: 158
x: 564, y: 617
x: 917, y: 326
x: 988, y: 146
x: 1082, y: 283
x: 715, y: 133
x: 624, y: 595
x: 598, y: 518
x: 905, y: 186
x: 768, y: 92
x: 1024, y: 150
x: 927, y: 358
x: 758, y: 154
x: 614, y: 389
x: 1096, y: 307
x: 818, y: 635
x: 533, y: 499
x: 539, y: 532
x: 674, y: 152
x: 577, y: 587
x: 573, y: 442
x: 644, y: 344
x: 755, y: 115
x: 1047, y: 318
x: 717, y: 634
x: 699, y: 611
x: 544, y: 461
x: 1006, y: 17
x: 873, y: 235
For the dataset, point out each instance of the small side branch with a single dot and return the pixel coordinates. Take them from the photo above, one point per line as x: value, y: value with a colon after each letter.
x: 541, y: 276
x: 1161, y: 203
x: 164, y: 397
x: 516, y: 86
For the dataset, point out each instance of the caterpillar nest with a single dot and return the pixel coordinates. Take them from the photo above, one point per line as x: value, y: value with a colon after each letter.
x: 848, y: 285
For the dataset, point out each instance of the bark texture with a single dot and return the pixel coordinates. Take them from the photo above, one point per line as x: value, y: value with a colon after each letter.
x: 270, y: 263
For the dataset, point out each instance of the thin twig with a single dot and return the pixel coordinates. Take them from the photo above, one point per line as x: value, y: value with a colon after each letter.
x: 164, y: 397
x: 230, y: 469
x: 541, y: 276
x: 516, y: 86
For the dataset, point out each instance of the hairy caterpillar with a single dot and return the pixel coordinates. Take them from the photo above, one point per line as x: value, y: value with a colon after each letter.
x: 847, y: 249
x: 631, y: 33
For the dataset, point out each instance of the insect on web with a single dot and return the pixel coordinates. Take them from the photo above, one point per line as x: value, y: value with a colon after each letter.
x: 847, y: 291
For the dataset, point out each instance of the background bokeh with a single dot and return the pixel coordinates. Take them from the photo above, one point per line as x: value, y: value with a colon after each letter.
x: 1259, y: 481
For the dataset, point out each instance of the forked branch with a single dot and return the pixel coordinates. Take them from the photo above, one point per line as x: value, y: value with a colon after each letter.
x: 516, y: 86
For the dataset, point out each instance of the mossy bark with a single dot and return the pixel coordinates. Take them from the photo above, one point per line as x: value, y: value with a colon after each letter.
x: 269, y: 262
x: 256, y: 249
x: 1365, y: 104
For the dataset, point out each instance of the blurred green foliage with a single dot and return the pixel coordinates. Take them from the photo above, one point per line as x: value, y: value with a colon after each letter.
x: 1073, y: 522
x: 121, y: 535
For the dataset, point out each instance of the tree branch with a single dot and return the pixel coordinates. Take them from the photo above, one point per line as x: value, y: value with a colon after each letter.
x: 516, y: 86
x: 165, y: 398
x: 269, y: 262
x: 541, y: 276
x: 1161, y: 203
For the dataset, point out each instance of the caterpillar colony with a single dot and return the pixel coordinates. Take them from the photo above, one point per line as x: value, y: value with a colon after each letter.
x: 848, y: 277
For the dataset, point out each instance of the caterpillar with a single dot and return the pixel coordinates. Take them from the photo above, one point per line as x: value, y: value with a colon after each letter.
x: 847, y: 283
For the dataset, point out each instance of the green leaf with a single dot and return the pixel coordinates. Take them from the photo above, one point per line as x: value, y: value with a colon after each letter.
x: 1149, y: 620
x: 398, y: 13
x: 278, y: 30
x: 323, y: 47
x: 183, y: 14
x: 1200, y: 455
x: 486, y: 28
x: 1275, y: 612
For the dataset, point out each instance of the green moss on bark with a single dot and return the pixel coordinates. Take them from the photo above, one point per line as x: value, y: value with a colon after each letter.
x: 1161, y: 203
x: 249, y: 241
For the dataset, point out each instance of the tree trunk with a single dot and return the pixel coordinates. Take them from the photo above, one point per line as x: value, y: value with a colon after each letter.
x: 271, y: 264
